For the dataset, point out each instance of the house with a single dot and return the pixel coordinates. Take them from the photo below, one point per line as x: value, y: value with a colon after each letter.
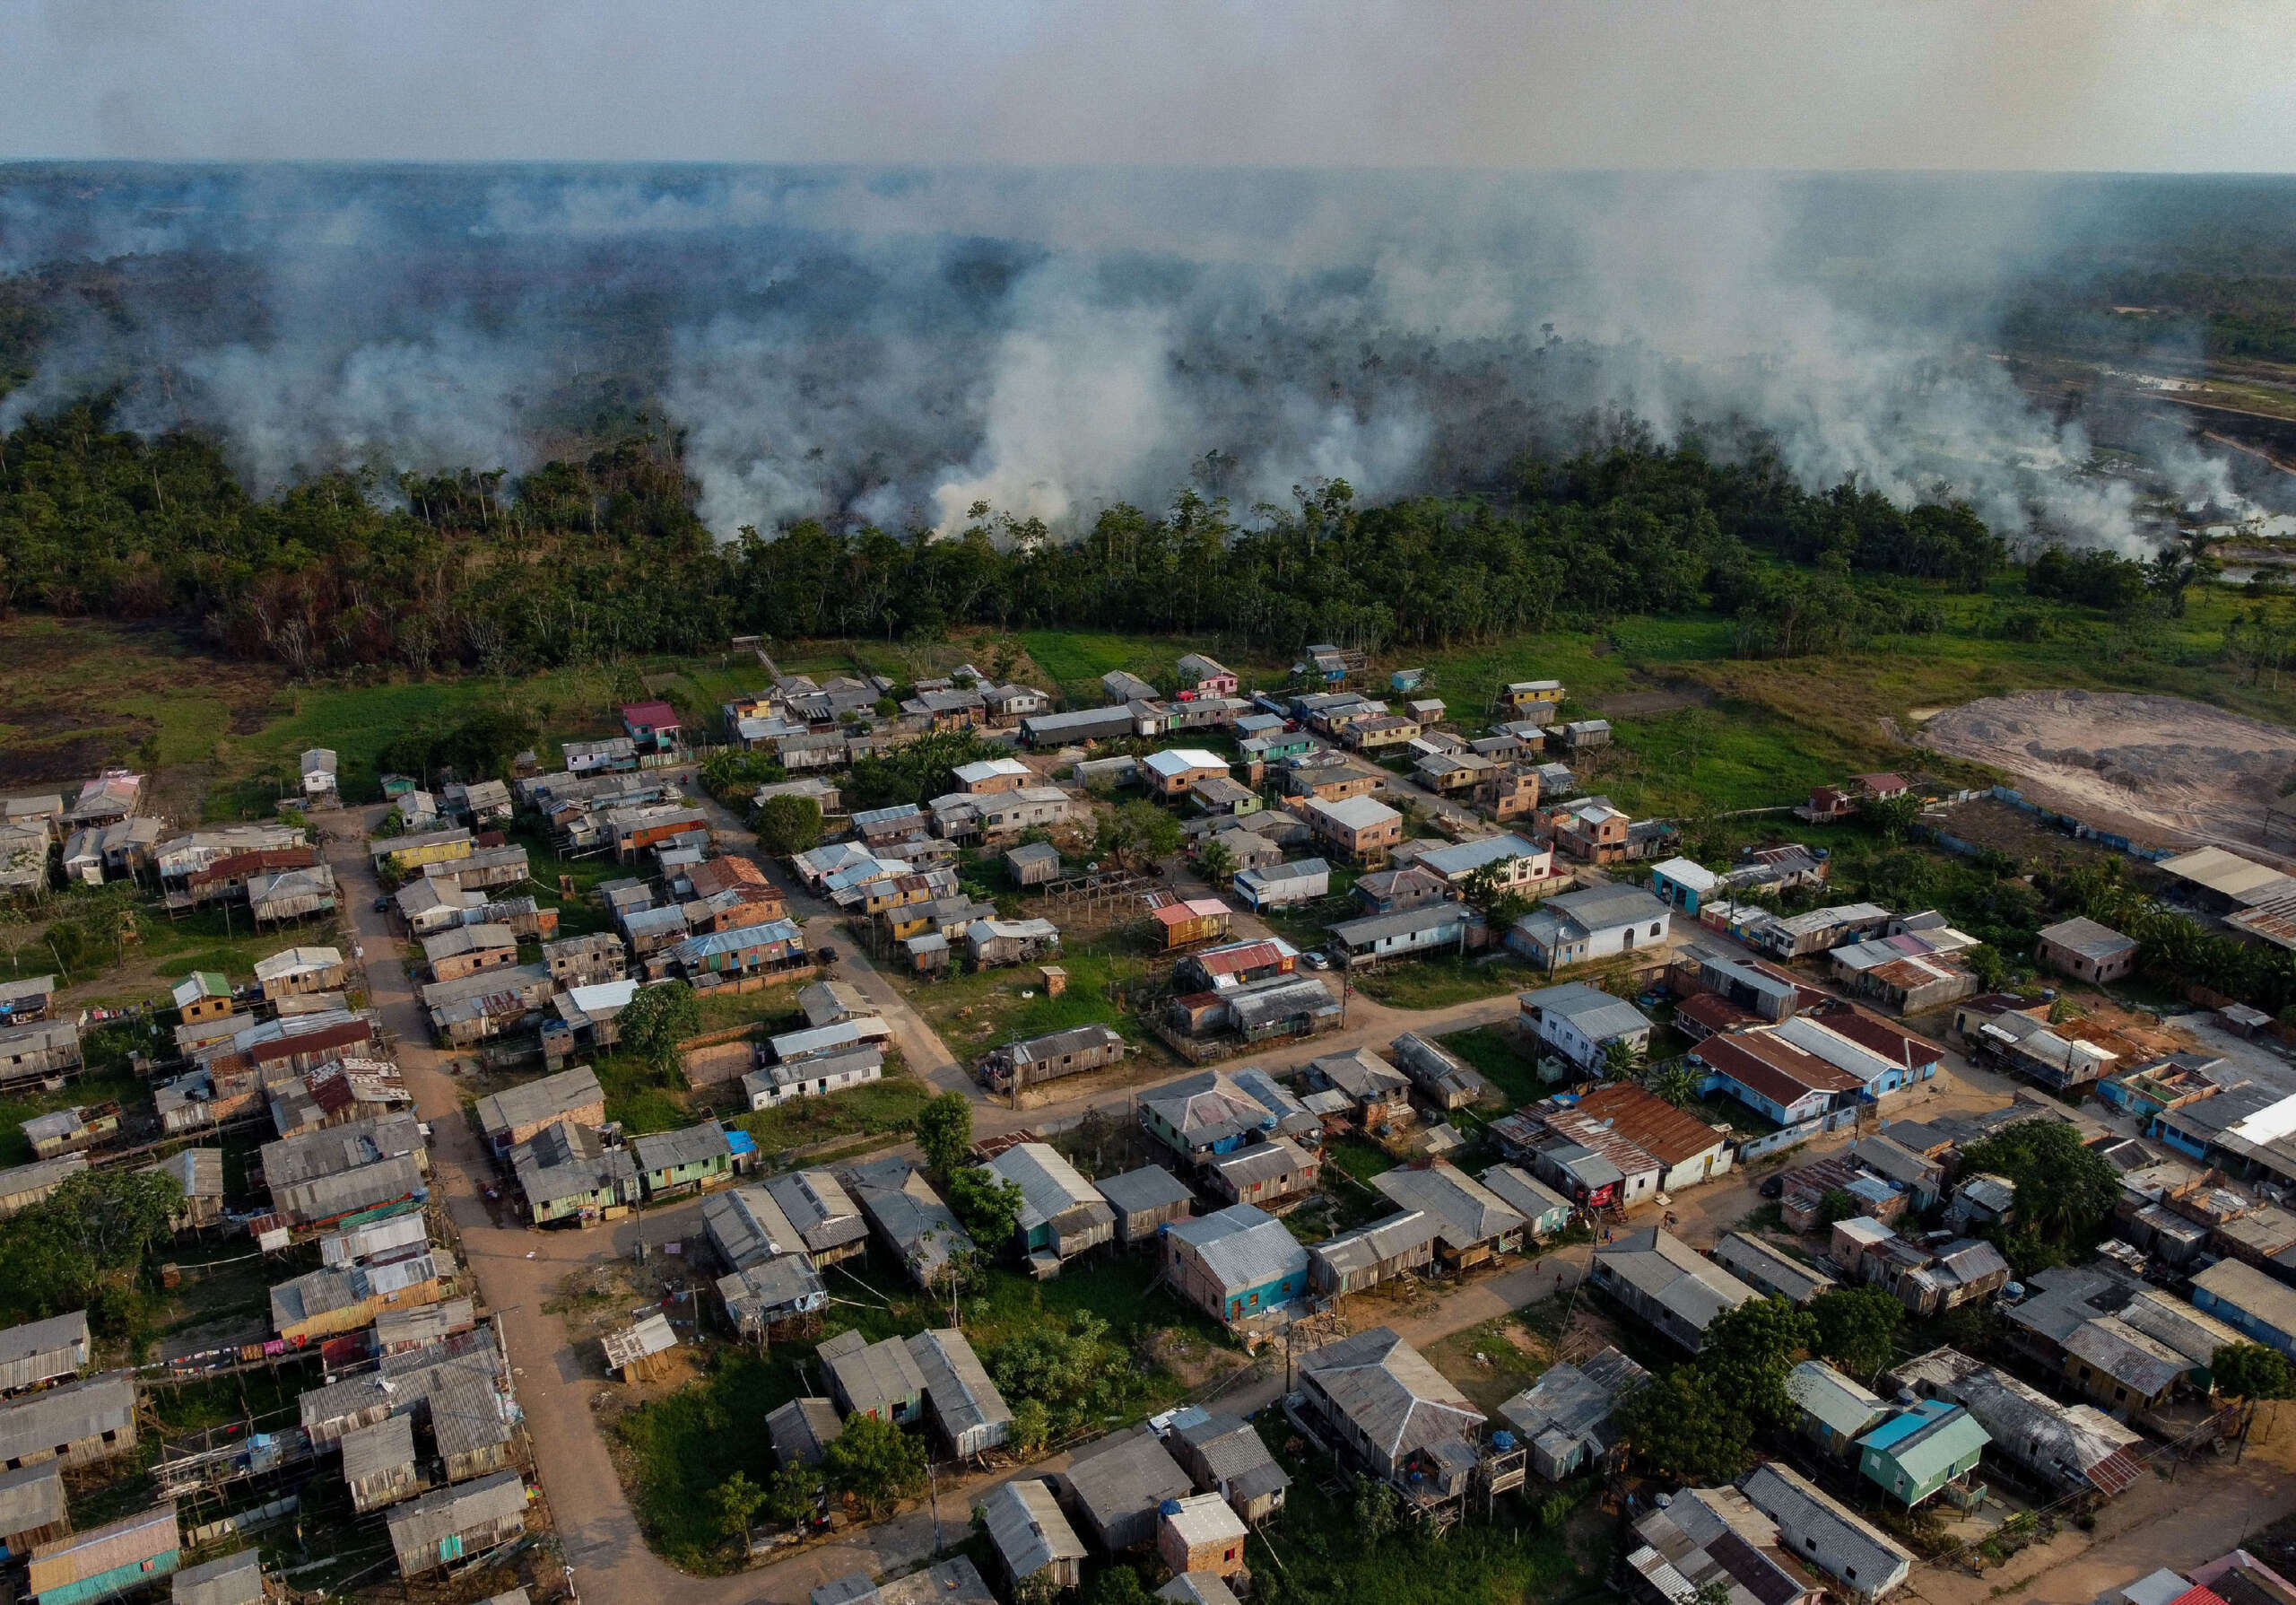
x: 1263, y: 1172
x: 1226, y: 1458
x: 1144, y: 1201
x: 1204, y: 676
x: 1203, y: 1114
x: 1575, y: 927
x: 1030, y: 1535
x: 802, y: 1429
x: 1771, y: 1076
x: 1834, y: 1411
x: 1580, y: 1022
x: 2086, y: 951
x: 2262, y: 1309
x: 1824, y: 1534
x: 38, y: 1050
x: 1279, y: 885
x: 1918, y: 1452
x: 907, y: 1217
x: 1061, y: 1215
x: 773, y: 947
x: 1235, y: 1264
x: 827, y: 1220
x: 116, y: 1558
x: 72, y: 1425
x: 812, y: 1075
x: 1530, y: 699
x: 71, y: 1130
x: 1039, y: 1059
x: 39, y: 1352
x: 1378, y: 1092
x: 1769, y: 1272
x: 511, y: 1116
x: 1689, y: 1150
x: 1198, y: 1533
x: 1235, y: 964
x: 2070, y: 1449
x: 991, y: 942
x: 1183, y: 924
x: 1033, y: 863
x: 687, y: 1160
x: 987, y: 776
x: 1712, y: 1544
x: 1118, y: 1483
x: 950, y: 1582
x: 235, y: 1579
x: 458, y: 1522
x: 652, y: 726
x: 1566, y: 1418
x: 1923, y: 1179
x: 880, y: 1379
x: 565, y: 1171
x: 1660, y: 1278
x: 1682, y: 885
x: 378, y: 1464
x: 959, y: 1399
x: 202, y: 995
x: 1439, y: 1078
x: 1431, y: 928
x: 746, y: 1227
x: 1513, y: 863
x: 1544, y: 1211
x: 300, y: 971
x: 467, y: 949
x: 1171, y: 772
x: 29, y: 1185
x: 1472, y: 1222
x: 27, y: 999
x: 1079, y: 729
x: 341, y: 1298
x: 1391, y: 1412
x: 1356, y: 829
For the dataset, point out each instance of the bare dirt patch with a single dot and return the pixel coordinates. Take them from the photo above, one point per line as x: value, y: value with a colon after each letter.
x: 2171, y: 770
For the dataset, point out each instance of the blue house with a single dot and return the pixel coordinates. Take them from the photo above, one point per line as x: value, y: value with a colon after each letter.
x: 1683, y: 884
x: 1236, y: 1264
x: 1914, y: 1454
x: 105, y: 1561
x: 1198, y: 1116
x: 2250, y: 1302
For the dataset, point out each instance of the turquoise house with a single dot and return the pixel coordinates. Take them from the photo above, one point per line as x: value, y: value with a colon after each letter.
x: 106, y: 1561
x: 1914, y: 1454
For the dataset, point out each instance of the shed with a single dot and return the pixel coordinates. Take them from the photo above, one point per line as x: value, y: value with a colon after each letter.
x: 32, y: 1507
x: 234, y: 1579
x: 378, y: 1463
x: 1030, y: 1535
x: 40, y: 1351
x: 1200, y: 1533
x: 106, y: 1560
x: 457, y: 1523
x: 964, y: 1404
x: 1144, y: 1200
x: 1224, y: 1455
x: 635, y: 1350
x: 1118, y: 1483
x: 802, y: 1429
x: 876, y: 1379
x: 1033, y: 863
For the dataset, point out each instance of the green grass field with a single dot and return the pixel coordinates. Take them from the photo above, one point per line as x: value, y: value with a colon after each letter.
x: 1440, y: 982
x: 1490, y: 1050
x: 974, y: 1012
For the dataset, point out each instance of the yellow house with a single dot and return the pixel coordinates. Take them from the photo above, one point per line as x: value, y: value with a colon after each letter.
x: 1524, y: 695
x: 403, y: 853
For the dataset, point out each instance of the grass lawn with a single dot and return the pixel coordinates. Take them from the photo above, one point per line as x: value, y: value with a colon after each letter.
x: 1358, y: 1158
x: 1490, y: 1048
x: 974, y: 1012
x: 774, y: 1006
x: 1440, y: 982
x: 123, y: 1087
x: 874, y: 1108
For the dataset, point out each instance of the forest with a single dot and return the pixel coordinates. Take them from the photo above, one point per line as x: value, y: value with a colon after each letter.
x: 588, y: 560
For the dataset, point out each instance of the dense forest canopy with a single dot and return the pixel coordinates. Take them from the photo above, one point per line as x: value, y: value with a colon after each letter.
x: 583, y: 561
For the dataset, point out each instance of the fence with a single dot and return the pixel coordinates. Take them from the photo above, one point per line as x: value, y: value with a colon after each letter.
x: 245, y: 1521
x: 1786, y: 1137
x: 2079, y: 829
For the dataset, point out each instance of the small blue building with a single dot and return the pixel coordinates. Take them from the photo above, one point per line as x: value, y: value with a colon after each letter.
x: 2250, y: 1302
x: 1683, y: 884
x: 107, y: 1560
x: 1236, y: 1264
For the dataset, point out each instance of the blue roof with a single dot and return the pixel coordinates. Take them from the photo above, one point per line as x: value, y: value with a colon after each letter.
x: 1913, y: 1420
x: 741, y: 1141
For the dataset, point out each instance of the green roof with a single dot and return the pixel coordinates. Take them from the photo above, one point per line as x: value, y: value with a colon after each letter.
x: 1931, y: 1452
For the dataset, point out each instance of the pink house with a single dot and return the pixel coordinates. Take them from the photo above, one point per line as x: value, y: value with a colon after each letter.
x: 1201, y: 677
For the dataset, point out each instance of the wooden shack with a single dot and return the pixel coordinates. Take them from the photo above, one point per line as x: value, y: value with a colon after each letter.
x: 637, y: 1351
x: 33, y: 1509
x: 1145, y: 1200
x: 378, y: 1464
x: 442, y: 1529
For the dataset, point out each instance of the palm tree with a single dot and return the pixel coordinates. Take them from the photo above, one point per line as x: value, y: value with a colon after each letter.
x: 1621, y: 1060
x: 1675, y: 1082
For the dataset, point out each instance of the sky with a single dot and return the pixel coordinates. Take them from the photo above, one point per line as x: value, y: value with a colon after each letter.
x: 2040, y: 85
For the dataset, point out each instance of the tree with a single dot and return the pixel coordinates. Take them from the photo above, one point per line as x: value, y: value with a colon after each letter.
x: 1118, y: 1585
x: 1893, y: 815
x: 84, y: 1238
x: 876, y: 1463
x: 1137, y: 833
x: 788, y: 825
x: 1857, y: 1328
x: 1675, y: 1082
x: 990, y: 1205
x: 1749, y: 1351
x: 1681, y: 1426
x: 654, y: 1023
x: 2250, y: 1371
x: 945, y: 1131
x: 2065, y: 1192
x: 738, y: 1499
x: 793, y: 1495
x: 1712, y: 1592
x: 1378, y: 1512
x: 1836, y: 1203
x: 1622, y: 1059
x: 1216, y: 861
x: 1031, y: 1425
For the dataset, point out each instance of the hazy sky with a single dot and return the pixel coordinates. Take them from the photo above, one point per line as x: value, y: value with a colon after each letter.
x: 2081, y: 84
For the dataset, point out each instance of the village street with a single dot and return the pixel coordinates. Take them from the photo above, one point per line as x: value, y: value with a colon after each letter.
x: 517, y: 1269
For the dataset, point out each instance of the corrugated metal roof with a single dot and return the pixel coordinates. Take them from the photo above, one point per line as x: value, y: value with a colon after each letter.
x: 815, y: 1203
x: 416, y: 1529
x: 1470, y: 1212
x: 1839, y: 1401
x: 233, y: 1580
x: 1820, y: 1530
x: 1126, y: 1474
x: 1243, y: 1246
x: 876, y: 1376
x: 143, y: 1535
x: 1050, y: 1186
x: 31, y: 1497
x: 36, y: 1423
x: 378, y: 1450
x: 1392, y: 1394
x: 1025, y: 1524
x: 964, y: 1397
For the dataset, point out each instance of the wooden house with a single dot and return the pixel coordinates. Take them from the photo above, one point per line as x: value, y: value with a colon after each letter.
x: 1145, y: 1200
x: 33, y: 1509
x: 442, y: 1529
x: 378, y: 1464
x: 1117, y: 1486
x: 1030, y: 1535
x: 39, y: 1352
x: 1224, y: 1456
x: 76, y: 1424
x: 234, y: 1579
x: 106, y: 1561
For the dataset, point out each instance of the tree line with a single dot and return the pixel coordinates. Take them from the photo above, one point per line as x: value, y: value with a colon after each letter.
x: 587, y: 561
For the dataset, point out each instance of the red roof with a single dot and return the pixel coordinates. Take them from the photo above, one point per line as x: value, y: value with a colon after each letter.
x: 651, y: 716
x: 1899, y: 1047
x: 1230, y: 961
x: 1779, y: 1072
x: 1651, y: 1122
x: 1714, y: 1012
x: 310, y: 1042
x: 1880, y: 783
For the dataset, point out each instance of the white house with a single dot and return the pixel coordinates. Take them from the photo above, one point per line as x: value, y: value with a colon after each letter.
x: 1276, y: 885
x: 1599, y: 922
x: 1579, y: 1022
x: 1520, y: 863
x: 772, y: 1085
x: 318, y: 771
